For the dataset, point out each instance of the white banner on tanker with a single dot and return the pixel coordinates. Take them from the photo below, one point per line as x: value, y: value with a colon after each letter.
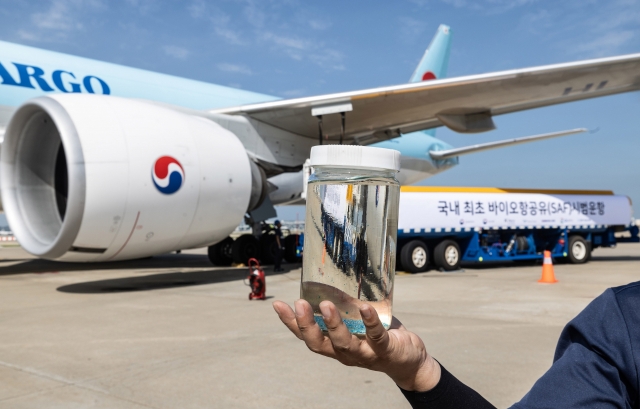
x: 438, y: 210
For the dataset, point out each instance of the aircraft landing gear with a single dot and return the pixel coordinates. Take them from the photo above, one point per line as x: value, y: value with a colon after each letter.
x: 220, y: 253
x: 244, y: 248
x: 247, y: 246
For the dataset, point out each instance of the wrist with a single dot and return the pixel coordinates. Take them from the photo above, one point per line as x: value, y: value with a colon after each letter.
x: 424, y: 379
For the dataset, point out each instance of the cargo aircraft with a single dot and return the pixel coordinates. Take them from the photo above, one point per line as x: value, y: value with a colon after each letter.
x: 102, y: 162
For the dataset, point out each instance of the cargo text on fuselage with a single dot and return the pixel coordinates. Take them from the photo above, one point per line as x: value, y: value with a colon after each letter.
x: 31, y: 76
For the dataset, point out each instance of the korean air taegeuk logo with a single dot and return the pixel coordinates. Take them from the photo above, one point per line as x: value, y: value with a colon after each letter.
x: 167, y: 175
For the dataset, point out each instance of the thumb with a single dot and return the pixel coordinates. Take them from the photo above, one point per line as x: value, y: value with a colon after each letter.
x: 377, y: 335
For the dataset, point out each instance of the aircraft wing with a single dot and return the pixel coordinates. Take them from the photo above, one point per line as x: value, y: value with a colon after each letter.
x: 464, y: 104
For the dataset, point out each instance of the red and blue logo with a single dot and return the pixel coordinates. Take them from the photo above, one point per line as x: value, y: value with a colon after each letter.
x: 167, y: 175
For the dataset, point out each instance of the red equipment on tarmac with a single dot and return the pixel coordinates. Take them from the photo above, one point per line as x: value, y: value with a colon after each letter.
x: 257, y: 281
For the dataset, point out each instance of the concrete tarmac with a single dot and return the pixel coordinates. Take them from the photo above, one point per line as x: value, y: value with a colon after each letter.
x: 174, y: 332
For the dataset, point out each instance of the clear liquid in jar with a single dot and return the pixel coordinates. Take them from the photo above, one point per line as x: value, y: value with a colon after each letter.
x: 350, y: 248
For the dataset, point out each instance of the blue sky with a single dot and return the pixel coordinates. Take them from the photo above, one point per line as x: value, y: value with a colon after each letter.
x: 294, y: 48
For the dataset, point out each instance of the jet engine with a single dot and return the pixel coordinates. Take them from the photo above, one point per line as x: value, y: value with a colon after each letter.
x: 99, y: 178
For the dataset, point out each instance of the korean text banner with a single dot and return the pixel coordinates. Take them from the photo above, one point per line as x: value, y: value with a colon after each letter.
x: 438, y: 210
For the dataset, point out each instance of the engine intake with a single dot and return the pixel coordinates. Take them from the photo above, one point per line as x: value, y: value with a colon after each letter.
x: 41, y: 181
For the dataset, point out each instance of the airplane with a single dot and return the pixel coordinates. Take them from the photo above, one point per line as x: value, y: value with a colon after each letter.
x: 102, y: 162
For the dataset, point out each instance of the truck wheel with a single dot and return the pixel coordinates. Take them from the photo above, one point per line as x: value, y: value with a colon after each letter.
x: 446, y: 255
x: 579, y: 250
x: 291, y: 248
x: 220, y: 253
x: 414, y: 257
x: 244, y: 248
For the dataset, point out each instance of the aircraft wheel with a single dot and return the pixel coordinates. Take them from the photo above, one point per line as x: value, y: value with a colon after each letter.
x: 414, y: 257
x: 447, y: 256
x: 579, y: 250
x: 244, y: 248
x: 220, y: 253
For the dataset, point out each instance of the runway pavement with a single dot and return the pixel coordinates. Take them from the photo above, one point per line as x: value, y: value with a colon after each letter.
x: 174, y: 332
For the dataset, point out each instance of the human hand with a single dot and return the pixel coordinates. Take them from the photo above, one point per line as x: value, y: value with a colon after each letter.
x: 397, y: 352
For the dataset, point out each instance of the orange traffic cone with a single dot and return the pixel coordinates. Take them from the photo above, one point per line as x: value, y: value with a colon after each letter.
x: 547, y: 270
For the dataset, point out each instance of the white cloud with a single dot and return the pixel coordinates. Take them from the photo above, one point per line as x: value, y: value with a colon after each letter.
x: 219, y: 20
x: 197, y: 8
x: 285, y: 41
x: 538, y: 22
x: 231, y: 36
x: 235, y: 68
x: 457, y: 3
x: 602, y: 45
x: 329, y: 59
x: 619, y: 16
x: 267, y: 26
x: 59, y: 20
x: 319, y: 25
x: 57, y: 17
x: 143, y: 6
x: 254, y: 15
x: 411, y: 27
x: 28, y: 35
x: 180, y: 53
x: 300, y: 49
x: 572, y: 27
x: 483, y: 6
x: 419, y: 3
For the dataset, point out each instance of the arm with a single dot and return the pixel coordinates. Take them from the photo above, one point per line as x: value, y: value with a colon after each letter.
x: 594, y: 364
x: 398, y: 353
x: 449, y: 393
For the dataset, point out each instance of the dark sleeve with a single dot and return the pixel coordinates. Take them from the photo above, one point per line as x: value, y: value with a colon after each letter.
x: 449, y: 393
x: 594, y: 365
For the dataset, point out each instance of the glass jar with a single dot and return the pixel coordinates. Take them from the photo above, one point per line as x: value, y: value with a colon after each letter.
x: 351, y: 229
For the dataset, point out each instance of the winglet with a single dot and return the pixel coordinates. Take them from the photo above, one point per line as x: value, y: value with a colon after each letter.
x: 435, y: 60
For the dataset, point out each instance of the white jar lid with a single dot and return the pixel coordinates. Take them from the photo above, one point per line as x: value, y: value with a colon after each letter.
x: 353, y: 156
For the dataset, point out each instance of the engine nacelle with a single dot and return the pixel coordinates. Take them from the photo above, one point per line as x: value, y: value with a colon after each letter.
x: 98, y: 178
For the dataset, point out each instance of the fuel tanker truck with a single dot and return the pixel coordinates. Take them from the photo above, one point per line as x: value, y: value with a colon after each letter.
x: 444, y: 226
